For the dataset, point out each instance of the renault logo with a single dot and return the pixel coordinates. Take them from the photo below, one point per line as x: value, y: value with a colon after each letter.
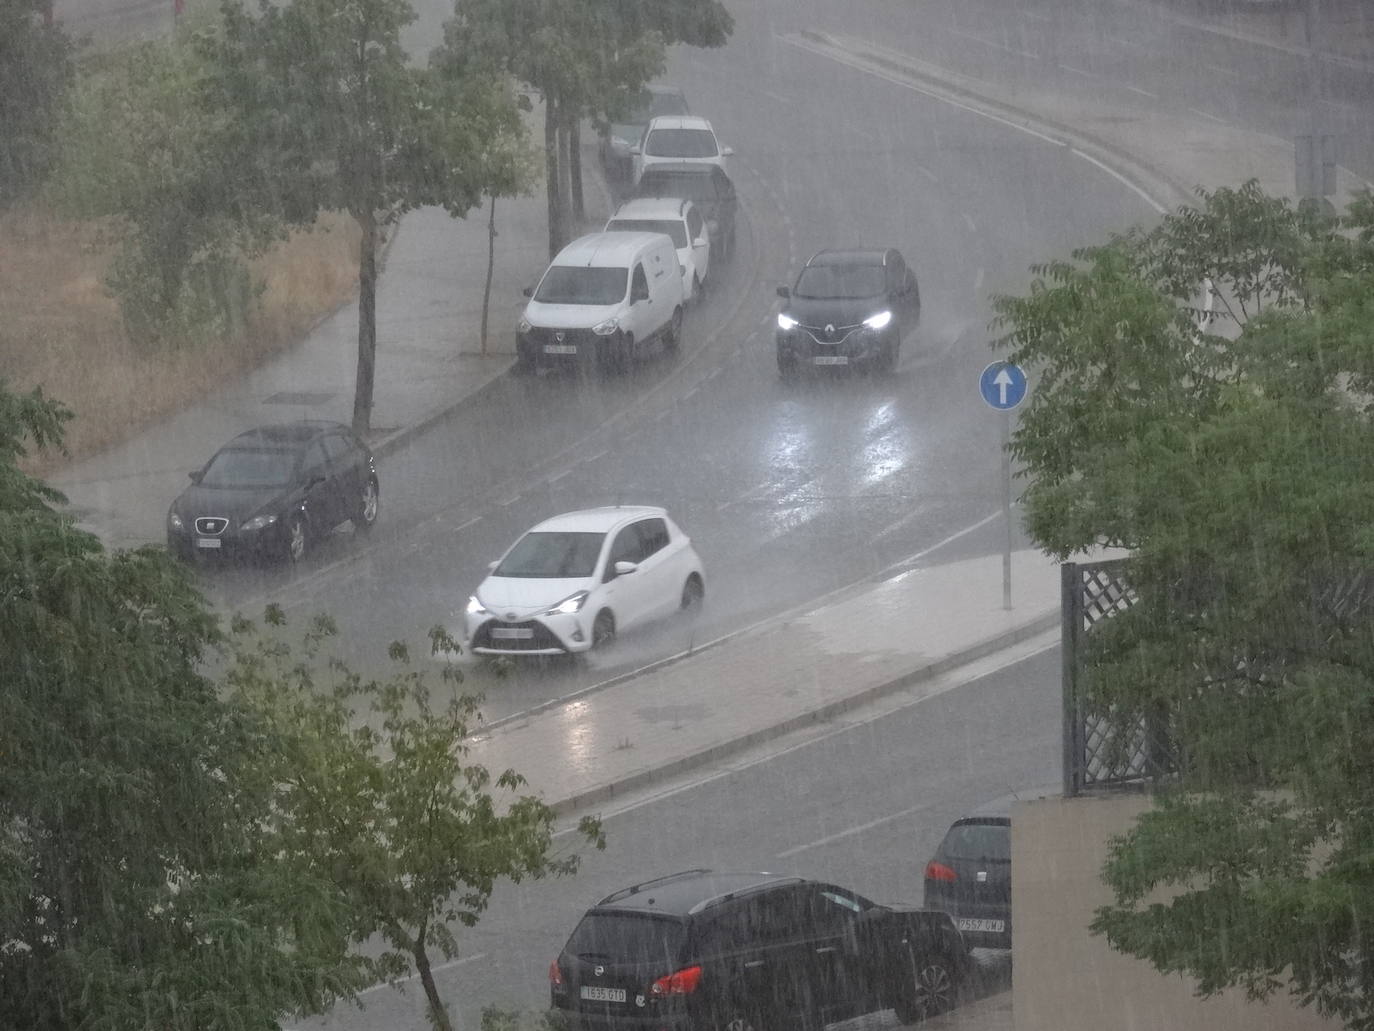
x: 510, y: 617
x: 599, y: 970
x: 829, y: 327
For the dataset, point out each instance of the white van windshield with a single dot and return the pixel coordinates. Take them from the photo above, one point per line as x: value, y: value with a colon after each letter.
x: 563, y: 284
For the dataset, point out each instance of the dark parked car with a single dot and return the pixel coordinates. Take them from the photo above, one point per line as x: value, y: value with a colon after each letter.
x: 273, y: 490
x: 708, y: 187
x: 847, y: 307
x: 626, y: 126
x: 707, y: 951
x: 969, y: 877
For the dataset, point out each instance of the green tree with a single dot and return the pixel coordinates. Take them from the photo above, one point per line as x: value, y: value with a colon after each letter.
x: 35, y: 71
x: 581, y: 56
x: 389, y: 807
x: 141, y: 144
x: 1235, y: 456
x: 137, y: 888
x: 336, y: 118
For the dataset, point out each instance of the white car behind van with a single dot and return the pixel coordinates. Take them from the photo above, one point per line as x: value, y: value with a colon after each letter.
x: 678, y: 219
x: 606, y: 298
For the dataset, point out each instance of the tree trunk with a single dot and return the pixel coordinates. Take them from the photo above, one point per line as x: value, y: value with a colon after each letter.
x: 551, y: 177
x: 491, y: 265
x: 575, y: 169
x: 367, y: 323
x: 438, y: 1015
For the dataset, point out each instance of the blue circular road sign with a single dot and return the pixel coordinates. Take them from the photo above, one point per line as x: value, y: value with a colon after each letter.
x: 1003, y: 385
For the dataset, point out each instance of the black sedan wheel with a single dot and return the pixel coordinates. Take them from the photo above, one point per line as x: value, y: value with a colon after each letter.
x: 369, y: 507
x: 928, y: 987
x: 297, y: 538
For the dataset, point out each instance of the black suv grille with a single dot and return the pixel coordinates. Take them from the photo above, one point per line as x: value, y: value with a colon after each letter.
x: 829, y: 334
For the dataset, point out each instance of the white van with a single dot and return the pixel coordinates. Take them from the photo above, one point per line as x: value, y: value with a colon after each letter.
x: 606, y: 298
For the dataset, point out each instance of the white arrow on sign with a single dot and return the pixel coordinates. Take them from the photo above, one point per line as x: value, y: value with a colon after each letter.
x: 1003, y: 382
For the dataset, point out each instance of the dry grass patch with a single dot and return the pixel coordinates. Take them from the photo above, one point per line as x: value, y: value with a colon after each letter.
x: 62, y: 331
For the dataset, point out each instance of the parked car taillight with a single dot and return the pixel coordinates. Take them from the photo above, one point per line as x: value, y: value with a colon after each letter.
x: 940, y: 872
x: 556, y: 978
x: 683, y: 982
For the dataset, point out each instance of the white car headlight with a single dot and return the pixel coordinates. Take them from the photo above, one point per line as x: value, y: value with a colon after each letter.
x: 605, y: 329
x: 572, y: 603
x: 258, y: 523
x: 523, y: 326
x: 475, y: 607
x: 878, y: 321
x: 174, y: 521
x: 786, y: 321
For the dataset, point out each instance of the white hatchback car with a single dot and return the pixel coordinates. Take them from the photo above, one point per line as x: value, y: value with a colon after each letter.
x: 675, y: 218
x: 574, y: 581
x: 678, y: 138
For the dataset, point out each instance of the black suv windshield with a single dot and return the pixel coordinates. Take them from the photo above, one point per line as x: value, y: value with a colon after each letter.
x: 552, y: 555
x: 565, y: 284
x: 830, y: 282
x: 629, y: 938
x: 249, y: 469
x: 668, y: 227
x: 988, y: 841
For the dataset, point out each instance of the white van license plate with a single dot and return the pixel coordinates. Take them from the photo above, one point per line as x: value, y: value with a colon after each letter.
x: 598, y: 994
x: 512, y: 633
x: 970, y: 924
x: 207, y: 542
x: 560, y: 348
x: 831, y: 359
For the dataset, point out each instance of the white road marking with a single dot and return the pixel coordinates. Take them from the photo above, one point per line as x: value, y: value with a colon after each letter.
x: 1037, y: 16
x: 913, y: 516
x: 1207, y: 114
x: 995, y: 44
x: 1077, y: 71
x: 442, y: 966
x: 851, y: 831
x: 1142, y: 92
x: 559, y: 476
x: 780, y: 99
x: 471, y: 522
x: 689, y: 393
x: 968, y: 221
x: 753, y: 335
x: 1222, y: 69
x: 1122, y: 180
x: 596, y: 457
x: 1129, y: 44
x: 928, y: 173
x: 508, y: 501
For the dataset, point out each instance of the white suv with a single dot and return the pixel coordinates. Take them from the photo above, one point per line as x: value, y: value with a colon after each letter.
x: 678, y: 138
x: 678, y: 219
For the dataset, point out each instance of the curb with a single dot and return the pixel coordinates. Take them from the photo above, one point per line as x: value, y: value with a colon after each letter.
x: 1143, y: 177
x: 606, y: 792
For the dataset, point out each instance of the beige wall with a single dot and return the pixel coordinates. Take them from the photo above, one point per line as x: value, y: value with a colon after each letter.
x: 1065, y: 979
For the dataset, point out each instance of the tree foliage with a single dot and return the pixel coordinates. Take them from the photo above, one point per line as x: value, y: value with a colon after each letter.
x: 335, y: 117
x: 35, y: 71
x: 410, y: 831
x: 1234, y: 455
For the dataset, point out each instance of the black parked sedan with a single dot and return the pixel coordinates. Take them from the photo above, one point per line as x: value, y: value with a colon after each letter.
x: 705, y: 951
x: 848, y: 307
x: 271, y: 491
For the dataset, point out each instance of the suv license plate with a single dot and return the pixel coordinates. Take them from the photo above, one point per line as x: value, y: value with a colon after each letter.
x: 598, y: 994
x: 512, y: 633
x: 831, y: 359
x: 970, y: 924
x: 207, y: 542
x: 560, y: 348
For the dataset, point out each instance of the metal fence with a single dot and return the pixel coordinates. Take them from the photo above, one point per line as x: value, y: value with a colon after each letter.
x: 1101, y: 749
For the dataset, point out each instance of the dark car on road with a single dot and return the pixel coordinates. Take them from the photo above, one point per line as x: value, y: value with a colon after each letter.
x: 847, y: 307
x: 706, y: 186
x: 969, y: 877
x: 709, y: 951
x: 274, y: 490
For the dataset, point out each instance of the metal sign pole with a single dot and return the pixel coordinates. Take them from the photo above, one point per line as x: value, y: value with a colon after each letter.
x: 1006, y: 507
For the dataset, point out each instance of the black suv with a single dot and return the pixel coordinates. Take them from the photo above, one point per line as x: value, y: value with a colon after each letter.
x: 708, y: 951
x: 272, y: 490
x: 847, y: 307
x: 706, y: 186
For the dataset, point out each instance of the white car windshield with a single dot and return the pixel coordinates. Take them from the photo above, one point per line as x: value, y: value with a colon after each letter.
x: 549, y: 555
x: 563, y: 284
x: 668, y: 227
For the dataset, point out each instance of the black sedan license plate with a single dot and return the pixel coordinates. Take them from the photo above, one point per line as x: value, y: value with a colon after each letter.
x: 598, y: 994
x: 207, y: 542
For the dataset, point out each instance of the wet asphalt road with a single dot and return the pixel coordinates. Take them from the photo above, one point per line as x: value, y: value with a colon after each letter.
x: 788, y: 491
x: 863, y: 806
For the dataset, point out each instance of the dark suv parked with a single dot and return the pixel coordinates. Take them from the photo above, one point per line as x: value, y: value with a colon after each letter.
x: 706, y: 186
x: 273, y: 490
x: 847, y: 307
x: 708, y: 951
